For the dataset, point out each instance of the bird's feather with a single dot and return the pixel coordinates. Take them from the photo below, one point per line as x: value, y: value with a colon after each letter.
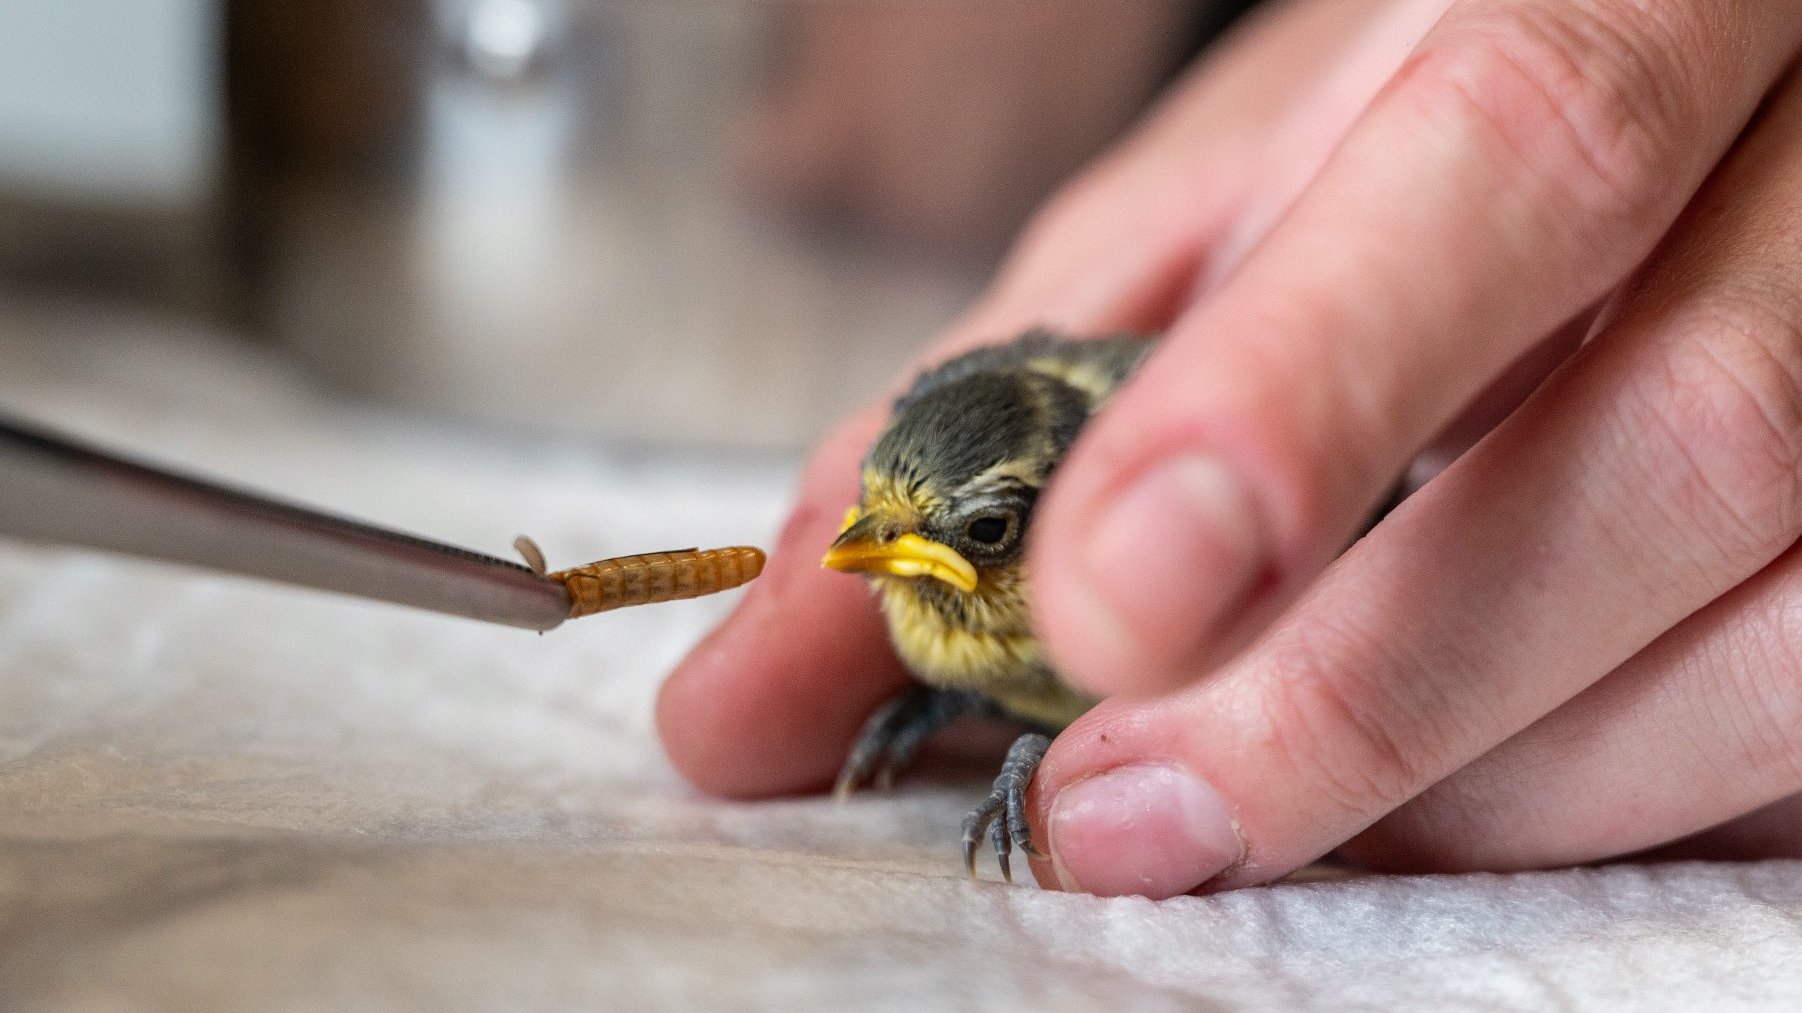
x: 993, y: 422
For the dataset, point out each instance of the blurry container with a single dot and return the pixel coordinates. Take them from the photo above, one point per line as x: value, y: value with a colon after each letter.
x: 109, y: 134
x: 611, y: 217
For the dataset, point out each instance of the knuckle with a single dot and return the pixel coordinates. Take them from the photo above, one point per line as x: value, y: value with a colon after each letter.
x: 1732, y: 415
x: 1591, y: 102
x: 1364, y: 750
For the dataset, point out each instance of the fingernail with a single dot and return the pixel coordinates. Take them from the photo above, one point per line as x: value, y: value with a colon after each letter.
x: 1147, y: 829
x: 1173, y: 553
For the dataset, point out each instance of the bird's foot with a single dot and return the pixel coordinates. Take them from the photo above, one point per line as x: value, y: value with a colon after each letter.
x: 1003, y: 814
x: 895, y: 732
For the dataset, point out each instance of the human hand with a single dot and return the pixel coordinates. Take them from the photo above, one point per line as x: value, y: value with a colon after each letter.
x: 1575, y: 637
x: 944, y: 124
x: 768, y: 703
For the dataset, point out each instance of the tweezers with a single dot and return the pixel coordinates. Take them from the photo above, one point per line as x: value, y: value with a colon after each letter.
x: 56, y: 489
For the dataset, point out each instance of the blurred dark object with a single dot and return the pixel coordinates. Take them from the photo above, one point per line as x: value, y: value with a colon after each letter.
x: 327, y: 91
x: 108, y: 140
x: 154, y: 255
x: 717, y: 223
x: 947, y: 123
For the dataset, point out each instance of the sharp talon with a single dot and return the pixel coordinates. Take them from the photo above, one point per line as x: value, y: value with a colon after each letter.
x: 1018, y: 827
x: 894, y: 732
x: 1003, y: 813
x: 975, y: 822
x: 998, y: 836
x: 865, y: 755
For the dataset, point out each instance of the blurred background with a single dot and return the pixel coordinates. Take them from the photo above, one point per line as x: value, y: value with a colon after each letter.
x: 714, y: 224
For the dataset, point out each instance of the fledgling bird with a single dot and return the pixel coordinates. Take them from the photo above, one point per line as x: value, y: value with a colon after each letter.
x: 948, y: 494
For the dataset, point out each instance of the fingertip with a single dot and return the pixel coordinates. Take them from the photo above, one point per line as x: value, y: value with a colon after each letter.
x: 1089, y: 647
x: 762, y: 708
x: 1141, y: 568
x: 1124, y: 806
x: 1044, y: 873
x: 766, y: 702
x: 700, y: 733
x: 1084, y: 638
x: 1149, y: 829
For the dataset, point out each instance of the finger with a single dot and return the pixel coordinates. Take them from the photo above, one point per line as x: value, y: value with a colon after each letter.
x: 1774, y: 831
x: 1527, y: 157
x: 1499, y: 399
x: 1701, y: 728
x: 1661, y: 467
x: 767, y: 702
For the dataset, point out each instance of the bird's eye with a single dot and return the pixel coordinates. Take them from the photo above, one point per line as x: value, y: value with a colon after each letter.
x: 987, y: 530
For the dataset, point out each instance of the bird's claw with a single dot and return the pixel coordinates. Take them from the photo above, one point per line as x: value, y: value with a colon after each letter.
x: 895, y: 732
x: 1003, y: 813
x: 869, y: 755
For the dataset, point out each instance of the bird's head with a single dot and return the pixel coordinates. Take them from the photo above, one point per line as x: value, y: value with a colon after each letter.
x: 949, y: 487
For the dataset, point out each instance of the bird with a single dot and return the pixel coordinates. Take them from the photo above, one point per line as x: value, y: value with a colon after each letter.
x: 940, y: 531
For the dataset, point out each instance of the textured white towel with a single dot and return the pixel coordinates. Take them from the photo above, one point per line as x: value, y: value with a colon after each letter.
x: 221, y: 795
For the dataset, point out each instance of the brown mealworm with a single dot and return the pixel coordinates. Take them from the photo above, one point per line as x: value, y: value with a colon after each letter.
x: 649, y: 577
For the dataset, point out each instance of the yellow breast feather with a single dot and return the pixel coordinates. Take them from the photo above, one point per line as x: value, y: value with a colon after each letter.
x: 981, y: 647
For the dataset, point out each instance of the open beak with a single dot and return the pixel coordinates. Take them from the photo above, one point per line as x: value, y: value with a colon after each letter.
x: 901, y: 556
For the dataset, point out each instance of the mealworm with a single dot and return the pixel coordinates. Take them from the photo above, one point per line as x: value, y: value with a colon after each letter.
x: 649, y: 577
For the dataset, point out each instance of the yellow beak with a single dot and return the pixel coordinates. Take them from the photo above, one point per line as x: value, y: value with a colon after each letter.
x: 906, y: 556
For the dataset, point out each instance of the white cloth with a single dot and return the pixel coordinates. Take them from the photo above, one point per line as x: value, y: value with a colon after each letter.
x: 216, y: 794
